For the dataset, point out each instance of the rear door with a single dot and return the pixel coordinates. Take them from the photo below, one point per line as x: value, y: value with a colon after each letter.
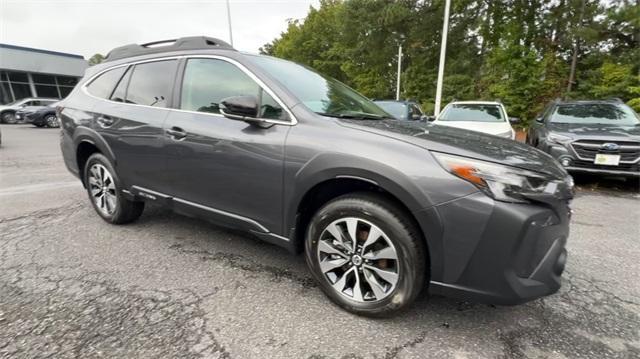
x: 131, y: 120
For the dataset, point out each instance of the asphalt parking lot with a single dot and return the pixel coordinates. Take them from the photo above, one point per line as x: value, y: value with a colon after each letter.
x: 169, y: 286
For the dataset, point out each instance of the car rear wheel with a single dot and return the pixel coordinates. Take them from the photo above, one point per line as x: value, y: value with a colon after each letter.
x: 103, y: 187
x: 9, y: 117
x: 366, y: 254
x: 52, y: 121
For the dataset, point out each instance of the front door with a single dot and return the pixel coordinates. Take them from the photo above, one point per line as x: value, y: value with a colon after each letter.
x: 228, y: 167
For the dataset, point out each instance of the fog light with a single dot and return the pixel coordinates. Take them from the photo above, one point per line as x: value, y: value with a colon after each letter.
x: 566, y: 162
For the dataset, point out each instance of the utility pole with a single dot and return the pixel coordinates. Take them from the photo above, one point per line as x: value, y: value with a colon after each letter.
x: 443, y: 53
x: 229, y: 22
x: 399, y: 70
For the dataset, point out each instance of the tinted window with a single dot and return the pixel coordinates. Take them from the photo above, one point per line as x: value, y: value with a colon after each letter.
x: 600, y: 113
x: 151, y: 83
x: 208, y: 81
x: 104, y: 84
x: 121, y: 90
x: 472, y: 112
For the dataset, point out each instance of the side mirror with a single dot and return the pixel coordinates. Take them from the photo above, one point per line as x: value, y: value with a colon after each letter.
x: 431, y: 118
x: 241, y: 108
x: 514, y: 120
x: 539, y: 120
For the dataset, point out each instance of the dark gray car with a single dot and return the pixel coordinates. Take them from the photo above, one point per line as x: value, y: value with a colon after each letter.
x: 600, y: 137
x: 381, y: 209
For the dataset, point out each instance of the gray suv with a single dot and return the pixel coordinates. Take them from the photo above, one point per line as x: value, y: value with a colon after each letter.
x: 381, y: 209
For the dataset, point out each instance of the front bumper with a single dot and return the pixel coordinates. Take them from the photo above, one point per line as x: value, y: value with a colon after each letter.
x: 576, y: 164
x: 501, y: 253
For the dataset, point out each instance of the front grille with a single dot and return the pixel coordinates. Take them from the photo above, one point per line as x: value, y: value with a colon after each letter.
x: 626, y: 167
x: 587, y: 150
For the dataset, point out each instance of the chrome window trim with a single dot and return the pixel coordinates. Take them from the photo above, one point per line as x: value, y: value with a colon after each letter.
x: 242, y: 68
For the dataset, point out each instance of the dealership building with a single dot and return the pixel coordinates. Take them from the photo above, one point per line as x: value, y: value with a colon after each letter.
x: 29, y: 72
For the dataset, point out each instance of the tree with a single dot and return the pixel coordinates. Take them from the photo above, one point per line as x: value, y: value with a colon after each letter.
x: 96, y: 59
x: 519, y: 51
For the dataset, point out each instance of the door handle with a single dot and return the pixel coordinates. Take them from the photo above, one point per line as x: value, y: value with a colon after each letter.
x: 176, y: 133
x: 105, y: 121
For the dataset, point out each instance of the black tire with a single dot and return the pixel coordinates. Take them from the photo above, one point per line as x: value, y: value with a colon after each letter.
x: 39, y: 124
x: 8, y: 117
x: 125, y: 210
x: 398, y: 227
x: 52, y: 121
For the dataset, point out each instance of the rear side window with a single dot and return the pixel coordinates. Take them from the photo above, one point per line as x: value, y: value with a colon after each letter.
x: 121, y: 90
x: 103, y: 85
x: 208, y: 81
x: 151, y: 83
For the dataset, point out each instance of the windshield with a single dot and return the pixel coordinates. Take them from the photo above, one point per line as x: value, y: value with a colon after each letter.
x: 325, y: 96
x: 595, y: 113
x: 472, y: 112
x: 397, y: 109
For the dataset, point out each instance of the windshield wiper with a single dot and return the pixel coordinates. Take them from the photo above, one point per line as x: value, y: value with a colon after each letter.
x: 356, y: 116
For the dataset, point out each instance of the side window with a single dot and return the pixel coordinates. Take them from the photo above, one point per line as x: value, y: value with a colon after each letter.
x: 416, y: 110
x: 207, y: 82
x: 121, y: 90
x: 104, y: 84
x: 151, y: 83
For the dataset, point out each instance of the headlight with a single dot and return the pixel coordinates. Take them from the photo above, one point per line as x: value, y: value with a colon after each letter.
x: 503, y: 183
x: 559, y: 139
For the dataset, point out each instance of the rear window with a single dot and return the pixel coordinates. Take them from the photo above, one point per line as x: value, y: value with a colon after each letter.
x: 151, y: 83
x: 472, y: 112
x: 103, y: 85
x: 596, y: 113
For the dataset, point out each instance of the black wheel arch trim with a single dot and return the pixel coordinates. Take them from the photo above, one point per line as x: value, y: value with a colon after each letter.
x: 85, y: 134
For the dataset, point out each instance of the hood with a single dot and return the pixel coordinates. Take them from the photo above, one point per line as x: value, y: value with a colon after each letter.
x: 464, y: 143
x: 603, y: 132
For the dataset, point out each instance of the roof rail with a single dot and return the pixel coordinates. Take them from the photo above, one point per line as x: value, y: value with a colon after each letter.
x: 183, y: 43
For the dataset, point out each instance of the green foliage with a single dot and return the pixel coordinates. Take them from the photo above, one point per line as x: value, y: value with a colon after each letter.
x: 96, y: 59
x: 514, y: 50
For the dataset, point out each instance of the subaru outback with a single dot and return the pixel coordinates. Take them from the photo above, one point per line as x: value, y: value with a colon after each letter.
x: 381, y: 209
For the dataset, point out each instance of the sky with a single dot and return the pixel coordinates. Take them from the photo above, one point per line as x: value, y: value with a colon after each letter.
x: 86, y: 27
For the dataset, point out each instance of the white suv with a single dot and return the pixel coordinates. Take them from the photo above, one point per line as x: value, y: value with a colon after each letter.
x: 481, y: 116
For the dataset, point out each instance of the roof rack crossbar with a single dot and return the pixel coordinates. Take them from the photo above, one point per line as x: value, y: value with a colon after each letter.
x: 183, y: 43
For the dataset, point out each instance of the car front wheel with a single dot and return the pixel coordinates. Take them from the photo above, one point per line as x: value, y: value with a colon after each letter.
x: 9, y: 117
x: 366, y: 254
x: 103, y: 188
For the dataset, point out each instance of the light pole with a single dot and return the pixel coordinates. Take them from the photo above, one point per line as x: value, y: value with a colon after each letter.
x: 399, y: 70
x: 443, y: 53
x: 229, y: 22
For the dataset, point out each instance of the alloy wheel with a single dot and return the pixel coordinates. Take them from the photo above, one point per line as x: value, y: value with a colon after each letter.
x: 9, y: 118
x: 52, y: 121
x: 102, y: 189
x: 359, y: 261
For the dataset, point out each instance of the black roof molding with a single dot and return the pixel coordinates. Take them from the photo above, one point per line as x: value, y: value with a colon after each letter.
x: 183, y: 43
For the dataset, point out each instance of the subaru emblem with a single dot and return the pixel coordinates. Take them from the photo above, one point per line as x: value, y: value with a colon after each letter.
x: 609, y: 146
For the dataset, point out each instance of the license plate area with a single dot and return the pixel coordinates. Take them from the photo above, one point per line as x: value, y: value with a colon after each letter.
x: 606, y: 160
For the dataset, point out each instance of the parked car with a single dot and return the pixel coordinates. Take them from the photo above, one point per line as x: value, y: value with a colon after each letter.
x: 8, y: 111
x: 402, y: 110
x: 39, y: 116
x: 601, y: 137
x: 481, y: 116
x: 380, y: 209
